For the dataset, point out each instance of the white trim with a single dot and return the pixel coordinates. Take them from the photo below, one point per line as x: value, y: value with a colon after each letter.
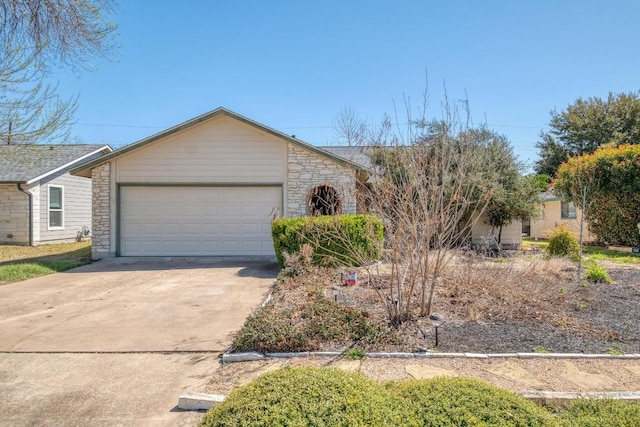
x: 59, y: 168
x: 62, y: 209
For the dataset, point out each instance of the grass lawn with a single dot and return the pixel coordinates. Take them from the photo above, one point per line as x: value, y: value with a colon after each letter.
x: 527, y: 243
x: 595, y: 253
x: 602, y: 254
x: 25, y: 262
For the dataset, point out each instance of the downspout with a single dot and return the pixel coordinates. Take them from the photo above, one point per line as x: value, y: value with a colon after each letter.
x: 30, y: 213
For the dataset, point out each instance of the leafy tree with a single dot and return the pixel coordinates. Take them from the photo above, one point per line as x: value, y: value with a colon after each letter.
x: 606, y: 185
x: 587, y: 125
x: 515, y: 197
x: 36, y: 38
x: 540, y: 181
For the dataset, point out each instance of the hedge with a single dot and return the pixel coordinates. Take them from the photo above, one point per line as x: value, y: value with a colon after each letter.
x: 336, y: 240
x: 309, y: 397
x: 448, y: 401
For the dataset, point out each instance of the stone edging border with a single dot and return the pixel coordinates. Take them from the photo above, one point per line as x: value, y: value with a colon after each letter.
x: 254, y: 355
x: 203, y: 401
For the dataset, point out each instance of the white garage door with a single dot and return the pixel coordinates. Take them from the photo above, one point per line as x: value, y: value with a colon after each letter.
x: 192, y: 221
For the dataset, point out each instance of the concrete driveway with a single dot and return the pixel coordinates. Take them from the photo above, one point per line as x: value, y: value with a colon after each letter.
x: 116, y: 342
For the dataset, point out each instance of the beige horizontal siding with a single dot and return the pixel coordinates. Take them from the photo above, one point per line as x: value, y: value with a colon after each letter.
x: 551, y: 217
x: 511, y: 235
x: 219, y: 150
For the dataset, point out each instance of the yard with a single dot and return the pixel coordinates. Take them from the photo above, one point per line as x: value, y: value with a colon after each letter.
x: 520, y: 303
x: 25, y: 262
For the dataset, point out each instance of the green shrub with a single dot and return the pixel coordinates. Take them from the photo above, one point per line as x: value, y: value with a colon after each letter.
x: 448, y: 401
x: 600, y: 413
x: 336, y: 240
x: 562, y: 242
x: 355, y: 354
x: 595, y: 273
x: 320, y: 320
x: 309, y: 397
x: 271, y: 331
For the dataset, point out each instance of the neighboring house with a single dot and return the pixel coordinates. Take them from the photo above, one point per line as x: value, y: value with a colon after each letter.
x: 39, y: 200
x: 482, y: 234
x: 556, y: 212
x: 211, y: 186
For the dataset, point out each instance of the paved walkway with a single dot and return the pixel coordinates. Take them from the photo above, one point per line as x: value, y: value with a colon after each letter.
x: 519, y: 375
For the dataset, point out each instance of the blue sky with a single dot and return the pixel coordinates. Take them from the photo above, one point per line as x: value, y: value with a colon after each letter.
x: 292, y: 65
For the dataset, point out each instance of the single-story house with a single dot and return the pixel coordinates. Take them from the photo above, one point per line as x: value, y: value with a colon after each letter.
x: 39, y: 200
x: 556, y: 212
x: 211, y: 186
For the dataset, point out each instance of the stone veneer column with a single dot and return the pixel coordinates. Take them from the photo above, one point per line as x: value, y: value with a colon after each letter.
x: 307, y: 170
x: 101, y: 209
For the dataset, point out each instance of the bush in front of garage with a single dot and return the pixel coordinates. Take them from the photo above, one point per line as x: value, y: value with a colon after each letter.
x: 334, y: 239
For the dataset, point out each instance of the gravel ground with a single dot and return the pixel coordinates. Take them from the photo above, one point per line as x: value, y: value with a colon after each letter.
x: 520, y: 305
x: 493, y: 307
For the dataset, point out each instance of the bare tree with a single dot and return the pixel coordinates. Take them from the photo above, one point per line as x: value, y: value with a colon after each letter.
x: 429, y: 195
x: 36, y: 38
x: 431, y: 182
x: 350, y: 129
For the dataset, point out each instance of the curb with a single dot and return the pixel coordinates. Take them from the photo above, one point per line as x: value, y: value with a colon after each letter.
x: 203, y: 401
x: 254, y: 355
x: 199, y: 401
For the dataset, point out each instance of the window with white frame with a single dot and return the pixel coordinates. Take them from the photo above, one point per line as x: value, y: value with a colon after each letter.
x: 56, y: 207
x: 568, y: 210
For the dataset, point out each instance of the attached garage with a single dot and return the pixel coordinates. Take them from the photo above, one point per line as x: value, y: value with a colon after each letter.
x: 210, y: 187
x: 197, y: 221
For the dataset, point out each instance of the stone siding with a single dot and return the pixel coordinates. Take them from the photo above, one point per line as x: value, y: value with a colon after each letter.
x: 101, y: 205
x: 14, y: 215
x: 307, y: 170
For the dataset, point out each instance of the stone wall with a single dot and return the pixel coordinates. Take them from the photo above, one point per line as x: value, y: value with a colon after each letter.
x: 101, y: 221
x: 14, y: 215
x: 307, y: 170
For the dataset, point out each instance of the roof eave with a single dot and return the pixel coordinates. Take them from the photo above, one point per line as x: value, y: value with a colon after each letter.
x: 59, y: 168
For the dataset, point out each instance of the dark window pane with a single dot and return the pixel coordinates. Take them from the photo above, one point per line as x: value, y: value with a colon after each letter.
x: 55, y: 219
x: 55, y: 198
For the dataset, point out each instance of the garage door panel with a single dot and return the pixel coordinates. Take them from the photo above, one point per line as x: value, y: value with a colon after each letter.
x: 182, y: 221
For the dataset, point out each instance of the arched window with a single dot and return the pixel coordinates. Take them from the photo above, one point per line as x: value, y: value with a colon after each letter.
x: 324, y: 200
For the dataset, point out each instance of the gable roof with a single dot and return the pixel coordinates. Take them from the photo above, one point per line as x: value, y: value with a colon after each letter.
x: 27, y: 163
x: 85, y: 169
x: 356, y: 154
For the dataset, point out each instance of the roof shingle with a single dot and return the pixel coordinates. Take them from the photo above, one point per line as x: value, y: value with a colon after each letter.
x: 21, y: 163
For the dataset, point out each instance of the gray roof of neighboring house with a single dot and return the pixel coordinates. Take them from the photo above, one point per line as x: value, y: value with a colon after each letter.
x: 549, y: 196
x: 356, y: 155
x: 24, y: 163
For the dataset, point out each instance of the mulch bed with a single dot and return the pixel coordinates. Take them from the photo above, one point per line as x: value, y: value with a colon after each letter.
x: 521, y: 304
